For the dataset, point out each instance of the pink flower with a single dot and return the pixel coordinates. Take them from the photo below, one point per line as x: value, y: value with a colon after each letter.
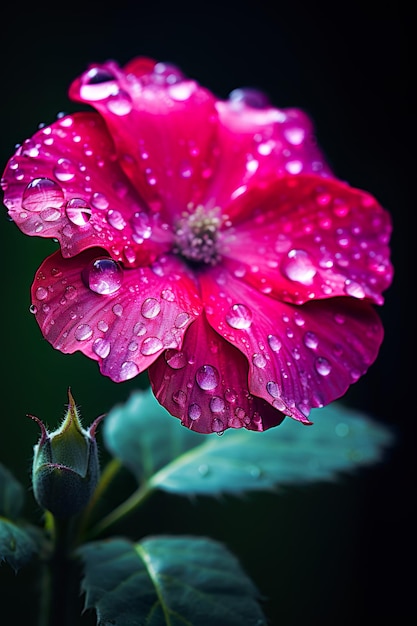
x: 203, y: 240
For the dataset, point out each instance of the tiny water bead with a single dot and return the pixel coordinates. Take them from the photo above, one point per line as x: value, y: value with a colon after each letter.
x: 104, y: 276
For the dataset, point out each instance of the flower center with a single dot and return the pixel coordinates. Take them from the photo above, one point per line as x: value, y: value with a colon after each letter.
x: 197, y: 235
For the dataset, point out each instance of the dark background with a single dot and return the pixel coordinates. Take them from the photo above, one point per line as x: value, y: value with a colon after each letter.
x: 331, y: 554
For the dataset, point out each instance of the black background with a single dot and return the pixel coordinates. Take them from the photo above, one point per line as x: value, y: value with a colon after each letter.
x: 330, y: 554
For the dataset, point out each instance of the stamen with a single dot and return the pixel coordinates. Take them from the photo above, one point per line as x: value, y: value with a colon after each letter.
x: 197, y: 234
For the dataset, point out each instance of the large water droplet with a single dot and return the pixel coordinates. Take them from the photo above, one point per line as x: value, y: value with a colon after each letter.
x: 274, y: 343
x: 116, y: 219
x: 78, y: 211
x: 354, y: 289
x: 97, y: 84
x: 250, y: 97
x: 179, y: 397
x: 120, y: 104
x: 259, y: 360
x: 311, y: 340
x: 128, y: 370
x: 83, y: 332
x: 194, y: 411
x: 207, y: 377
x: 298, y: 267
x: 175, y: 359
x: 102, y: 347
x: 104, y: 276
x: 151, y: 345
x: 217, y: 426
x: 150, y: 308
x: 217, y: 404
x: 65, y: 170
x: 41, y: 194
x: 273, y: 389
x: 323, y: 366
x: 239, y: 316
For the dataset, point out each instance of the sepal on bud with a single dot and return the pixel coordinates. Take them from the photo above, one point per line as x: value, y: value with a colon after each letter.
x: 65, y: 468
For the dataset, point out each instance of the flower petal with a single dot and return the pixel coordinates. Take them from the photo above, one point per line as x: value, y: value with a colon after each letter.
x: 123, y: 319
x: 299, y: 357
x: 259, y: 145
x: 65, y: 183
x: 205, y: 384
x: 163, y: 127
x: 305, y: 238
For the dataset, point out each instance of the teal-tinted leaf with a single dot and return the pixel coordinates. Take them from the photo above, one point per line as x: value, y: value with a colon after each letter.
x: 175, y: 581
x: 157, y: 449
x: 17, y: 544
x: 11, y: 494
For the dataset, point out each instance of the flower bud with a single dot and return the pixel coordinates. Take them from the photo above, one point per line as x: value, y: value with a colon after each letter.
x: 65, y: 467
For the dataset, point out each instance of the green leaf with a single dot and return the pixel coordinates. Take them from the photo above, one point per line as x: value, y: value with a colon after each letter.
x: 175, y: 581
x: 154, y: 446
x: 17, y: 544
x: 12, y: 494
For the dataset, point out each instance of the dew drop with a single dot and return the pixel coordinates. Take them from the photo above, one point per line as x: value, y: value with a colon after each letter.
x: 116, y: 219
x: 78, y: 211
x: 179, y: 397
x: 354, y: 289
x: 217, y: 404
x: 50, y: 214
x: 279, y: 405
x: 239, y: 316
x: 141, y: 226
x: 230, y: 395
x: 64, y: 170
x: 117, y: 310
x: 217, y: 426
x: 83, y: 332
x: 175, y: 359
x: 298, y: 267
x: 139, y: 329
x: 120, y: 104
x: 168, y: 295
x: 41, y: 293
x: 274, y: 343
x: 322, y: 366
x: 151, y: 345
x: 273, y: 389
x: 128, y: 370
x: 41, y: 194
x: 207, y: 377
x: 181, y: 320
x: 99, y: 201
x: 104, y: 276
x: 194, y: 411
x: 259, y: 360
x: 101, y: 347
x: 310, y: 340
x: 150, y: 308
x: 33, y: 309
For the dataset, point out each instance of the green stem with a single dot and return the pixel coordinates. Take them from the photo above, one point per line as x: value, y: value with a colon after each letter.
x: 59, y: 592
x: 122, y: 510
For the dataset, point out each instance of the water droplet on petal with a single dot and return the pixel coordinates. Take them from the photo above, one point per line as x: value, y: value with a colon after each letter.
x: 273, y: 389
x: 179, y: 397
x: 102, y: 347
x: 78, y: 211
x: 354, y: 289
x: 310, y: 340
x: 151, y: 345
x: 250, y: 97
x: 274, y: 343
x: 239, y: 316
x: 141, y: 226
x: 42, y: 193
x: 194, y: 411
x: 41, y: 293
x: 230, y: 395
x: 120, y: 104
x: 207, y: 377
x: 64, y: 170
x: 298, y: 267
x: 175, y: 359
x: 104, y: 276
x: 217, y: 426
x: 128, y: 370
x: 322, y: 366
x: 116, y: 219
x: 259, y: 360
x: 99, y: 201
x: 83, y: 332
x: 217, y: 404
x: 150, y: 308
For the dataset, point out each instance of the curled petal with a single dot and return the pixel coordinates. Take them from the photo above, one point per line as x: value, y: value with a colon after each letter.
x: 122, y: 319
x: 314, y: 239
x: 163, y: 127
x: 205, y: 385
x: 65, y: 183
x: 299, y: 357
x: 260, y: 145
